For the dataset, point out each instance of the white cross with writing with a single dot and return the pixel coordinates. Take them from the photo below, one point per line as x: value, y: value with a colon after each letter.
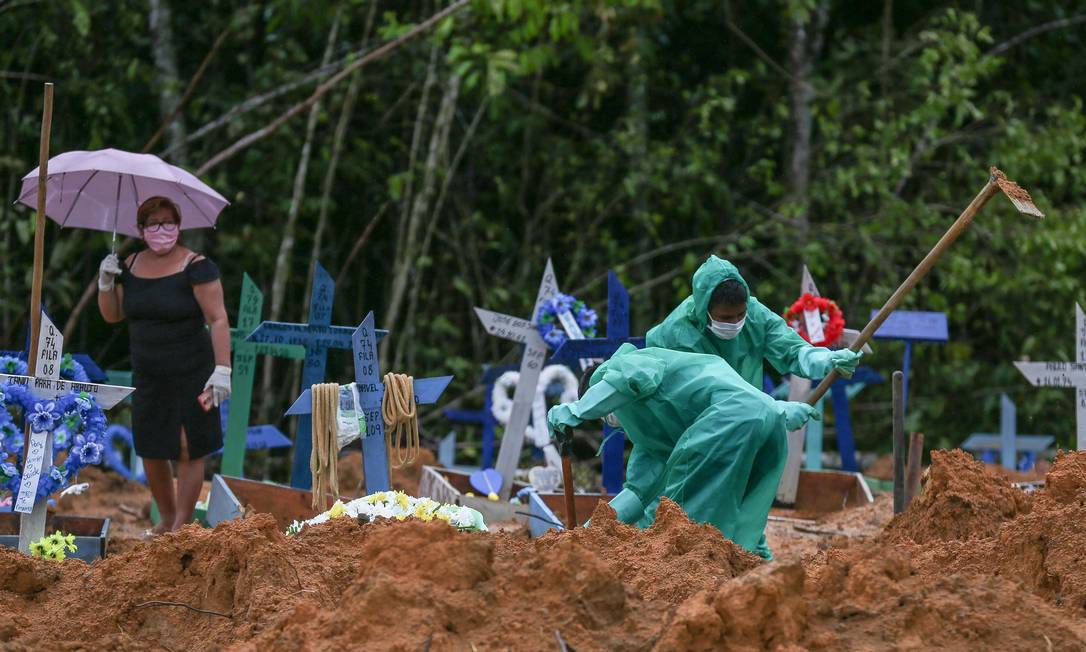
x: 531, y: 363
x: 47, y: 384
x: 1065, y: 374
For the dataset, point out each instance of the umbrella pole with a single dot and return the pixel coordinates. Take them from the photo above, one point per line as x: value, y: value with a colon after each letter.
x: 25, y: 532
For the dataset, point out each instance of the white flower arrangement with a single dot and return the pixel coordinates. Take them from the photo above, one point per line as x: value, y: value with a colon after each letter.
x: 400, y: 506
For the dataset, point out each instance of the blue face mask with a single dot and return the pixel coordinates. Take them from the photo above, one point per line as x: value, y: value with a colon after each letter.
x: 725, y: 330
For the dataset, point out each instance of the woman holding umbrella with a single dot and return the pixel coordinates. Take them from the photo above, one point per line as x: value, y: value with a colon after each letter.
x: 168, y: 294
x: 181, y: 371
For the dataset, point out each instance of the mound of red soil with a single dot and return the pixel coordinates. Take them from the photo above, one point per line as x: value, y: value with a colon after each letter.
x: 1043, y: 550
x: 868, y: 597
x: 672, y: 560
x: 1066, y: 481
x: 1015, y: 583
x: 394, y: 585
x: 961, y: 499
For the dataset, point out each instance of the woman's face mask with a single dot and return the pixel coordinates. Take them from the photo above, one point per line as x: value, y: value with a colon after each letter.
x: 726, y: 330
x: 161, y: 238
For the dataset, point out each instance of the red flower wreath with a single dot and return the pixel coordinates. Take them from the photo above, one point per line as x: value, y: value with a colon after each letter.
x: 833, y: 321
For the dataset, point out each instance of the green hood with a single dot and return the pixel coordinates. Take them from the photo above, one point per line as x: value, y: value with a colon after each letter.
x: 712, y: 273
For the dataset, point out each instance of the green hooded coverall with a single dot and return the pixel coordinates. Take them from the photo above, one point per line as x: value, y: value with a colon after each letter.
x: 765, y: 335
x: 701, y: 434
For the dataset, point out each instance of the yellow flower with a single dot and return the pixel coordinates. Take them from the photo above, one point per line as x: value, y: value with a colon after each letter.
x: 423, y: 512
x: 401, y: 500
x: 337, y: 510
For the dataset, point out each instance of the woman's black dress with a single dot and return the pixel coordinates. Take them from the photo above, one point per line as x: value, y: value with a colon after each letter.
x: 172, y: 358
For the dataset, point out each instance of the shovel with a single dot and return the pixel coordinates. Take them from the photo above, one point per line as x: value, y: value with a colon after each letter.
x: 564, y: 438
x: 997, y: 182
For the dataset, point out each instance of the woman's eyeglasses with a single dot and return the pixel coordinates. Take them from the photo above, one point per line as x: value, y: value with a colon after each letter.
x: 168, y: 227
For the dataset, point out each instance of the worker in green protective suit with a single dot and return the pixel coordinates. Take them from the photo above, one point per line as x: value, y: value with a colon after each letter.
x: 701, y: 434
x: 722, y: 318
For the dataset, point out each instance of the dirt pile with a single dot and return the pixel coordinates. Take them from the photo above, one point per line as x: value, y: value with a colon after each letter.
x: 1008, y: 576
x: 961, y: 499
x: 867, y: 597
x: 1043, y: 550
x: 395, y: 585
x: 674, y: 559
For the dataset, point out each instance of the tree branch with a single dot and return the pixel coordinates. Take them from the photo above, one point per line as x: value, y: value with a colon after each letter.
x: 375, y: 55
x: 1034, y: 31
x: 196, y: 77
x: 733, y: 28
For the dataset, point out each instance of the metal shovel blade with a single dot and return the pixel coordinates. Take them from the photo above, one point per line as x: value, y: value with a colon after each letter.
x: 1018, y: 195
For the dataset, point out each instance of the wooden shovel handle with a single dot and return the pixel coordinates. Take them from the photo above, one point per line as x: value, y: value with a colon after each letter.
x: 567, y: 483
x: 959, y: 226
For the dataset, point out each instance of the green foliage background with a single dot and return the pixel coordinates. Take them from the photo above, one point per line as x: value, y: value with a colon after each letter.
x: 640, y: 135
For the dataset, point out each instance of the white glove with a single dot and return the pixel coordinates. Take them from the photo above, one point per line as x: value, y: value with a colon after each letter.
x: 108, y: 270
x: 219, y: 382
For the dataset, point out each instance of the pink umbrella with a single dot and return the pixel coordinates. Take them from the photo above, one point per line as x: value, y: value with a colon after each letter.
x: 102, y: 190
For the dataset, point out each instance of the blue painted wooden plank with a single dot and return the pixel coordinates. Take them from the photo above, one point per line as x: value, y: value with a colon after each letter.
x: 913, y: 325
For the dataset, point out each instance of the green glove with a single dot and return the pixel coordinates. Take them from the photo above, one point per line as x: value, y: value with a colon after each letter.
x: 561, y: 416
x: 796, y: 414
x: 845, y: 361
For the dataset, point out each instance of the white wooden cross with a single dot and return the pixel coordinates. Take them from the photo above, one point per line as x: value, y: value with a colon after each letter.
x: 47, y: 384
x: 525, y: 332
x: 1065, y: 374
x: 799, y: 388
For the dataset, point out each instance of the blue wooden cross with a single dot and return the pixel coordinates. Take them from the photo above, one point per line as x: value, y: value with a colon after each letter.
x: 1008, y: 442
x: 371, y: 390
x: 842, y: 417
x: 317, y: 337
x: 618, y: 333
x: 482, y: 417
x: 912, y: 326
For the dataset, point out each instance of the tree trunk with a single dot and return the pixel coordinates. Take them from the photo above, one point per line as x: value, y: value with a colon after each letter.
x: 168, y: 83
x: 167, y: 79
x: 340, y: 134
x: 286, y: 245
x: 805, y: 41
x: 420, y: 208
x: 637, y: 107
x: 403, y: 348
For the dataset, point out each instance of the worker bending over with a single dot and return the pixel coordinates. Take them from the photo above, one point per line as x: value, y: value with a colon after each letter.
x: 701, y: 434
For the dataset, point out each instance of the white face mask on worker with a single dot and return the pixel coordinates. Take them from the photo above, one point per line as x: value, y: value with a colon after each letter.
x: 725, y: 330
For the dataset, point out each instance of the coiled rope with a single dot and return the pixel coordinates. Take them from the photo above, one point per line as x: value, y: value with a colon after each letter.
x: 401, y: 419
x: 322, y: 461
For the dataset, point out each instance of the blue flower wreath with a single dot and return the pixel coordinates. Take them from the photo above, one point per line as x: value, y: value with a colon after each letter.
x: 70, y: 369
x: 78, y: 426
x: 551, y: 328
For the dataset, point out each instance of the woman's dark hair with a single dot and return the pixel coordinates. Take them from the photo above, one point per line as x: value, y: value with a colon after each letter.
x: 153, y: 205
x: 586, y: 376
x: 729, y: 293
